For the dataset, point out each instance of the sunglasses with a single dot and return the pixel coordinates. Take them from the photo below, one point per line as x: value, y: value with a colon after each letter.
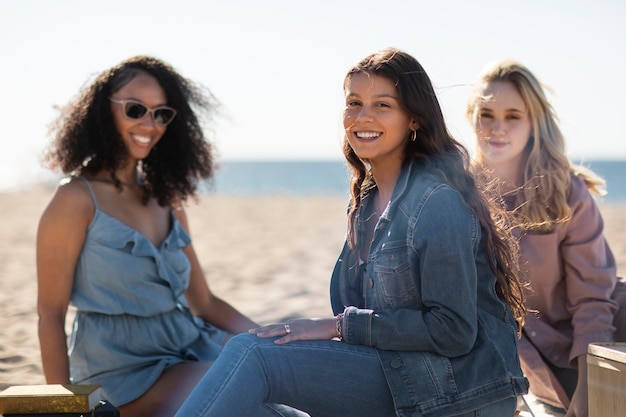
x: 133, y: 109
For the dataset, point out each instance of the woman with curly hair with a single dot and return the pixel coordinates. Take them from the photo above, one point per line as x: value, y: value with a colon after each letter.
x: 425, y: 291
x: 114, y: 242
x: 574, y: 292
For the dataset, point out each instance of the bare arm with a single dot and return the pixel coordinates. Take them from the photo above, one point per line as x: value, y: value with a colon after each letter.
x: 60, y: 237
x: 203, y: 302
x: 579, y: 406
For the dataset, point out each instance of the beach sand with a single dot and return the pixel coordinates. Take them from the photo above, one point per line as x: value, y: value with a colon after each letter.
x: 271, y: 257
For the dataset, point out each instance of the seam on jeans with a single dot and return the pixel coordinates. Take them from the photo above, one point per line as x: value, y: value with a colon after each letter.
x: 369, y: 329
x: 203, y: 410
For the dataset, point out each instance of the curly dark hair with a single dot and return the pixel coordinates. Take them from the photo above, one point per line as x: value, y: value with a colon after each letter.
x: 85, y: 139
x: 436, y: 149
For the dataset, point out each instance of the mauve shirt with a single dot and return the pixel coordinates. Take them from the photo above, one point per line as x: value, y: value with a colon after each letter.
x: 572, y: 273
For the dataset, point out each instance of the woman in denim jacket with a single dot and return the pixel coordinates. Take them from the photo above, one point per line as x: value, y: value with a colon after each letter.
x: 427, y: 300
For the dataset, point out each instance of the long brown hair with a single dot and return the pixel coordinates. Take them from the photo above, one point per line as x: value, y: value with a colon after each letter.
x: 439, y: 151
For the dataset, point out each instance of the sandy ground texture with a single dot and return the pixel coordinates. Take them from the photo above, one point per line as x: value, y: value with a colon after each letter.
x: 271, y: 257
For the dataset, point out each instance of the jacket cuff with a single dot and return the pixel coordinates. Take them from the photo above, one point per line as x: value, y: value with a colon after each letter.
x: 357, y: 326
x: 580, y: 345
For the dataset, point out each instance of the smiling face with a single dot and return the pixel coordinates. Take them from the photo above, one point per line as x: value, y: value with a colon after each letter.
x: 139, y: 135
x: 376, y: 124
x: 503, y: 127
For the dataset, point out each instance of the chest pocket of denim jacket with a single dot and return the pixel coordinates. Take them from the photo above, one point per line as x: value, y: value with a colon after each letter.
x: 396, y: 288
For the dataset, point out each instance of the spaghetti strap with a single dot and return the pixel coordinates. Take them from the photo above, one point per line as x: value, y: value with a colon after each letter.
x: 93, y: 196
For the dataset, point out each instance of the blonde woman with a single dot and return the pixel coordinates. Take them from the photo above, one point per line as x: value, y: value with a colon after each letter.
x: 574, y: 293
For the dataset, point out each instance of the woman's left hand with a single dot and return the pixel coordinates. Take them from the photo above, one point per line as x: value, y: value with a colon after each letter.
x: 300, y: 329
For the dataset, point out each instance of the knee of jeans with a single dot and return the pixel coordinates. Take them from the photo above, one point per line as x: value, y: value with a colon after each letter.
x: 242, y: 341
x: 245, y: 349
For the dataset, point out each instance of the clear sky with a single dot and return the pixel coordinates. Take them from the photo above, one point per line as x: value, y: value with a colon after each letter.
x: 277, y: 66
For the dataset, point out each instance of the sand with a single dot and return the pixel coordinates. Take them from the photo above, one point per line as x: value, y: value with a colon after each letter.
x: 271, y: 257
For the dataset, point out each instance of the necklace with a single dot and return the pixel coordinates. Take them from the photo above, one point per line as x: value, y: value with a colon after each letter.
x: 110, y: 181
x: 140, y: 181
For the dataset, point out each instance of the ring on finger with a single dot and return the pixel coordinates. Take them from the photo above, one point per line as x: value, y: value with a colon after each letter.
x: 287, y: 329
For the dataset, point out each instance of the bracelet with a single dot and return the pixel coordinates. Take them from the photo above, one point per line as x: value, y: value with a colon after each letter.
x: 339, y: 326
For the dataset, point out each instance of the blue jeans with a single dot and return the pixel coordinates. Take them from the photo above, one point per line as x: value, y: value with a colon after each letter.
x: 323, y: 378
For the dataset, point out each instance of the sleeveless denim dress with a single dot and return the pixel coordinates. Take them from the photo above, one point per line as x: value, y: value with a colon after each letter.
x: 132, y: 319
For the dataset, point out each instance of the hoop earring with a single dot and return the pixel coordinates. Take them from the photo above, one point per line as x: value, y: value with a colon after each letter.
x: 414, y: 135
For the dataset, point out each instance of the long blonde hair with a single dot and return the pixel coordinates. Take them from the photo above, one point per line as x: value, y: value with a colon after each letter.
x: 541, y: 202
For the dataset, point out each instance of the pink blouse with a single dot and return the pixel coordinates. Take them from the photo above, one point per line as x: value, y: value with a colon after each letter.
x: 572, y: 274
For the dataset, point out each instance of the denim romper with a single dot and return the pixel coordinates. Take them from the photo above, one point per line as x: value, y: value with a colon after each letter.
x: 132, y: 319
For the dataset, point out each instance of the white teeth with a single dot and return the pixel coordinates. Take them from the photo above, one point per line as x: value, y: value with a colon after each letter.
x: 367, y: 135
x: 142, y: 139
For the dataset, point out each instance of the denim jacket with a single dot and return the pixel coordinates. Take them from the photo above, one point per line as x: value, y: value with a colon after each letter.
x: 425, y: 298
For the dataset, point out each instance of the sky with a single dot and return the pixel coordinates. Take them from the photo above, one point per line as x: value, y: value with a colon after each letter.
x: 277, y: 66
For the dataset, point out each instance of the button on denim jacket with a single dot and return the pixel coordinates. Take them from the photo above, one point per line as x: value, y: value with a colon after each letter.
x: 426, y: 300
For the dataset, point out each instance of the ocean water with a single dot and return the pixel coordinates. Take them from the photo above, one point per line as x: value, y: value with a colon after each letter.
x: 330, y: 178
x: 300, y: 179
x: 614, y: 173
x: 289, y: 178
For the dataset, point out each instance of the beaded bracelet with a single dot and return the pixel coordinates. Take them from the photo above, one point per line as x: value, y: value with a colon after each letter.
x: 339, y: 325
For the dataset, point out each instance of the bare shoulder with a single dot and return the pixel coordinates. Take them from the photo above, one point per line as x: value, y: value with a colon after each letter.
x: 71, y: 199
